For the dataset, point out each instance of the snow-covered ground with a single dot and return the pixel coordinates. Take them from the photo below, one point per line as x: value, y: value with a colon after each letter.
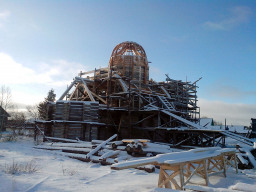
x: 59, y: 173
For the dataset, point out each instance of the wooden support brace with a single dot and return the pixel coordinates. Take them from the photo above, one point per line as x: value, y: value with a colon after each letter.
x: 205, y: 173
x: 224, y: 165
x: 181, y: 176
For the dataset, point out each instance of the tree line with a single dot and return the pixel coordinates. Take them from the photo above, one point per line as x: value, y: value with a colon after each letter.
x: 33, y: 112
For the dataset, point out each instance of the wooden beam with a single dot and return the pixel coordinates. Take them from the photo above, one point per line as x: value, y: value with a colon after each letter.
x: 74, y: 92
x: 86, y: 89
x: 95, y: 95
x: 67, y: 90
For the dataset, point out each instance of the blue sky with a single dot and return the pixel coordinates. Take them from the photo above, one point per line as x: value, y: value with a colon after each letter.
x: 44, y: 44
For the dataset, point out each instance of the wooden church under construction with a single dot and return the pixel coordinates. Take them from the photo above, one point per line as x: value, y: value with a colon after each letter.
x: 122, y: 99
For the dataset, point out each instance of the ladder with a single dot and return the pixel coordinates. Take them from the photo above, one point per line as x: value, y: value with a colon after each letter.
x: 166, y: 104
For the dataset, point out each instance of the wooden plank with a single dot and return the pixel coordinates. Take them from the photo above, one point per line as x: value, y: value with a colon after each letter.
x: 100, y: 146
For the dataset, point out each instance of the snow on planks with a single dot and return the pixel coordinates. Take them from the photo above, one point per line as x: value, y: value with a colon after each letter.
x: 200, y: 162
x: 93, y: 151
x: 105, y: 152
x: 158, y: 159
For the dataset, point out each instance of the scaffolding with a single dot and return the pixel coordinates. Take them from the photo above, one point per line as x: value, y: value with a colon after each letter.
x: 128, y: 103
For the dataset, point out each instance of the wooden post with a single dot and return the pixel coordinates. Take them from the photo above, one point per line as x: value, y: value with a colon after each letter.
x: 35, y: 133
x: 181, y: 176
x: 161, y: 177
x: 188, y: 169
x: 205, y: 173
x: 235, y: 162
x: 158, y: 119
x: 224, y: 165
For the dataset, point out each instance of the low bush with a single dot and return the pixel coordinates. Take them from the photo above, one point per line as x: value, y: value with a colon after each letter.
x: 16, y: 168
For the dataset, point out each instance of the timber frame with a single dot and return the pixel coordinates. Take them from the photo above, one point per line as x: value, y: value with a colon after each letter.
x: 202, y: 168
x: 133, y: 106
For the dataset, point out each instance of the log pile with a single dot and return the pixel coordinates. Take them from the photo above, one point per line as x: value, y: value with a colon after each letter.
x: 73, y: 119
x: 111, y: 152
x: 246, y: 158
x: 76, y: 111
x: 106, y: 152
x: 59, y: 130
x: 90, y: 111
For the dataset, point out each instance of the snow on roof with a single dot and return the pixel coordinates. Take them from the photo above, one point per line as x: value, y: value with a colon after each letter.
x: 237, y: 128
x: 232, y: 128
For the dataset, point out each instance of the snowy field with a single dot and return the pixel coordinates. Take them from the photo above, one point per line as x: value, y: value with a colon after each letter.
x: 54, y: 172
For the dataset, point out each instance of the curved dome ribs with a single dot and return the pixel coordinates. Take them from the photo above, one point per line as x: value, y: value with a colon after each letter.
x: 129, y: 60
x: 129, y: 48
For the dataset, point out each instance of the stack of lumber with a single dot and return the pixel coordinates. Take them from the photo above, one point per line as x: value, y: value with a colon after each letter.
x: 104, y: 152
x: 87, y: 135
x: 70, y: 117
x: 74, y: 130
x: 246, y: 158
x: 59, y: 130
x: 90, y: 112
x: 76, y: 111
x: 94, y: 133
x: 62, y: 110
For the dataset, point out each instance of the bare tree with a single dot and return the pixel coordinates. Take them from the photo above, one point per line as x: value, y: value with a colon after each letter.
x: 32, y: 111
x: 18, y: 116
x: 5, y: 103
x: 5, y: 98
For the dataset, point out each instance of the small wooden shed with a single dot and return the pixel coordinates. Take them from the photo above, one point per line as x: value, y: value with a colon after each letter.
x: 3, y: 119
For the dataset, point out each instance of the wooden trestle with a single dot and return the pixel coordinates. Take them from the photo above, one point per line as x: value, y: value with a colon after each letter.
x: 201, y: 167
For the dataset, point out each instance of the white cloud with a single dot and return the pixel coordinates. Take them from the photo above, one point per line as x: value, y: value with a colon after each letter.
x: 14, y: 73
x: 236, y: 114
x: 3, y: 17
x: 30, y: 85
x: 68, y: 69
x: 231, y: 92
x: 54, y: 73
x: 238, y: 15
x: 23, y: 98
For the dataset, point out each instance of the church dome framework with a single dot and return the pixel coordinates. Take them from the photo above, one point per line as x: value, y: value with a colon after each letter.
x: 129, y: 59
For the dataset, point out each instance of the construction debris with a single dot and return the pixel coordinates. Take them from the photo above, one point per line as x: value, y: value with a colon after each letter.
x: 104, y: 152
x: 100, y: 146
